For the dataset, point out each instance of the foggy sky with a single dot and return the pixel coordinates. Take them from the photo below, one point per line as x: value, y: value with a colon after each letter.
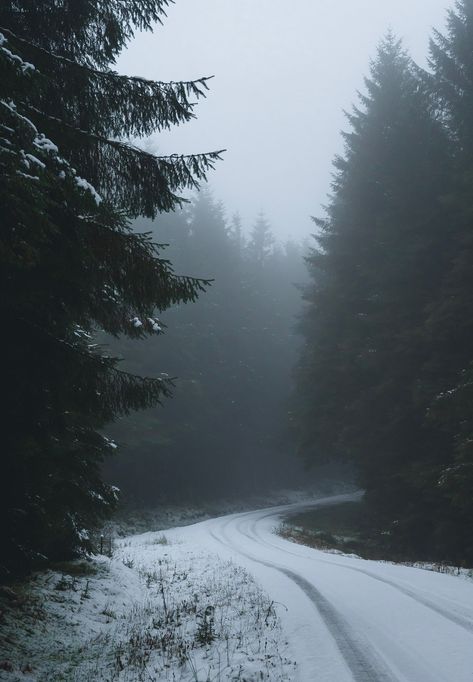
x: 284, y: 71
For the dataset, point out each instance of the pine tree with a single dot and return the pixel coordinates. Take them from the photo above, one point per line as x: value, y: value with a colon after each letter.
x: 379, y: 264
x: 261, y: 241
x: 452, y: 64
x: 450, y: 322
x: 70, y: 264
x: 236, y: 233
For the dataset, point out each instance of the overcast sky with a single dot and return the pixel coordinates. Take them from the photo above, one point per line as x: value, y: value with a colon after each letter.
x: 284, y: 71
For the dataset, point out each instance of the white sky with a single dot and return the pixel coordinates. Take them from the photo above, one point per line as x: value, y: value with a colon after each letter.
x: 284, y: 71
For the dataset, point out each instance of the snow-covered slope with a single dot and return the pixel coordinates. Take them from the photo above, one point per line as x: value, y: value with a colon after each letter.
x: 159, y: 610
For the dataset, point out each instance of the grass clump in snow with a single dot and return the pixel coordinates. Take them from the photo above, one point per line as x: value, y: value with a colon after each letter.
x: 204, y: 618
x: 160, y: 540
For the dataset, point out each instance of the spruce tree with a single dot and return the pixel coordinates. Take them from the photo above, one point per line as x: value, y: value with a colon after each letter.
x: 70, y: 263
x: 236, y: 233
x: 378, y: 265
x: 261, y: 241
x: 451, y: 61
x: 450, y: 320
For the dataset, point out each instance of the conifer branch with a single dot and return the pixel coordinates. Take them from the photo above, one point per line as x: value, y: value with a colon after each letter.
x: 126, y: 391
x: 106, y: 102
x: 90, y: 33
x: 128, y: 176
x: 131, y: 257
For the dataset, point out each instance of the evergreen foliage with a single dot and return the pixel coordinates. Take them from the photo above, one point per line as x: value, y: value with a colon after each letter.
x: 450, y: 320
x: 452, y: 81
x: 382, y: 327
x: 261, y: 241
x: 70, y: 263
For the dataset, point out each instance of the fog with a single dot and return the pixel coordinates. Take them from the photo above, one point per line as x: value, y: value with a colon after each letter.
x: 284, y: 72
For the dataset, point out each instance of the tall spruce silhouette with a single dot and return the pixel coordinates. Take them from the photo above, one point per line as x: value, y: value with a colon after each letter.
x: 382, y: 252
x: 70, y: 264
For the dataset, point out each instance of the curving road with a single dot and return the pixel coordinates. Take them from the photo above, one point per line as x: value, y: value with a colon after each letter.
x: 347, y: 619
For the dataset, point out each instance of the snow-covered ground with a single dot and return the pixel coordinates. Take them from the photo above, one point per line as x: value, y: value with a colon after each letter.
x: 159, y: 609
x: 350, y: 619
x: 227, y: 599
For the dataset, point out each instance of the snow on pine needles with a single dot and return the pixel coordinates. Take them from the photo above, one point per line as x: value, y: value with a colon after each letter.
x: 153, y: 612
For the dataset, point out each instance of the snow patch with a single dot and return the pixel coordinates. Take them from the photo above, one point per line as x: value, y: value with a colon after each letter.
x: 45, y: 144
x: 35, y: 160
x: 84, y: 184
x: 24, y: 66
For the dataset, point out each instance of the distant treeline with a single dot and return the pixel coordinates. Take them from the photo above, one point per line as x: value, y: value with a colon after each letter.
x: 386, y: 376
x: 225, y: 430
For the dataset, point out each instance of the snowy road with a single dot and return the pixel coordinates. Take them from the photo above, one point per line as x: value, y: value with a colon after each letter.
x: 347, y: 619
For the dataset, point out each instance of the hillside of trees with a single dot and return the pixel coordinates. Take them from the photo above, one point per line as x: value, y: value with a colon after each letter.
x: 386, y: 373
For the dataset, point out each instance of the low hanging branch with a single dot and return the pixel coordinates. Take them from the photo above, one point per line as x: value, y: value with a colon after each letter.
x: 122, y: 392
x: 124, y: 174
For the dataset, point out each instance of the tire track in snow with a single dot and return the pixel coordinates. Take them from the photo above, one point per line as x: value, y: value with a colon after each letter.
x: 363, y: 667
x: 455, y: 618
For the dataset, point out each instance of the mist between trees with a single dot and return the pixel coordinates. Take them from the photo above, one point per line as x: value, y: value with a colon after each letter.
x: 226, y: 430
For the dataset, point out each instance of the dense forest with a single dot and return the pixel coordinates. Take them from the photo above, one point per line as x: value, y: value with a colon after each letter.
x: 225, y: 430
x: 150, y: 341
x: 385, y: 378
x: 87, y: 272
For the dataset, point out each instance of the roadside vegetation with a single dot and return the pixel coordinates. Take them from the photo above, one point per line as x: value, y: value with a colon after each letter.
x: 348, y: 528
x: 153, y: 611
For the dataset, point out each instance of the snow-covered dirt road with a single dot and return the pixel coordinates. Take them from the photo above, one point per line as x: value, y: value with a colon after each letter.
x: 347, y: 619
